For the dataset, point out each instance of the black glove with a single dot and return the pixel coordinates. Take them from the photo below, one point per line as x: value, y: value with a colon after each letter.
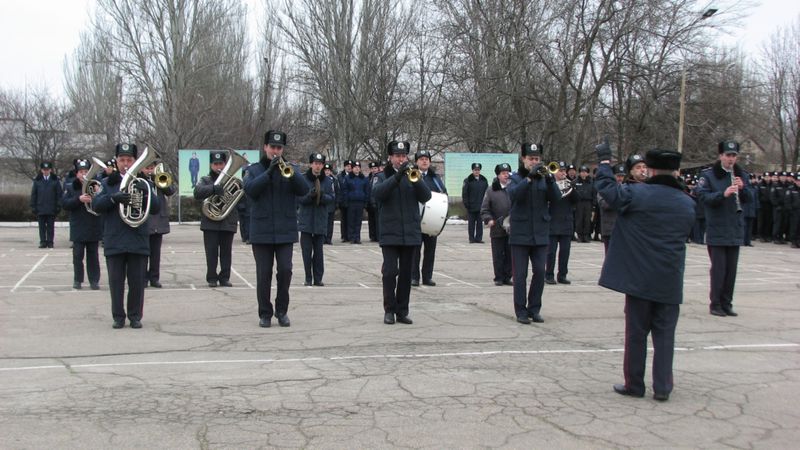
x: 603, y: 151
x: 114, y: 179
x: 121, y: 197
x: 274, y: 163
x: 549, y: 178
x: 401, y: 172
x: 536, y: 172
x: 218, y: 189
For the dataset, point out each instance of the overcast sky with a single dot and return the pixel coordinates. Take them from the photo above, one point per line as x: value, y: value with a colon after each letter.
x: 36, y: 36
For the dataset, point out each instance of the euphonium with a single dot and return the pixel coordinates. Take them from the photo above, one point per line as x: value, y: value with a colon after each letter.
x: 136, y: 211
x: 161, y: 176
x: 218, y: 207
x: 91, y: 186
x: 286, y: 169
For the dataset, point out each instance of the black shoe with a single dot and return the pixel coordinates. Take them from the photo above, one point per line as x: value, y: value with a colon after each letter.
x: 225, y: 283
x: 319, y: 283
x: 405, y: 320
x: 136, y: 324
x: 118, y: 324
x: 94, y: 286
x: 508, y: 282
x: 429, y: 283
x: 265, y: 322
x: 622, y: 390
x: 388, y: 318
x: 42, y: 245
x: 283, y: 320
x: 415, y: 282
x: 156, y: 284
x: 50, y: 244
x: 306, y: 283
x: 76, y: 285
x: 524, y: 319
x: 479, y: 242
x: 661, y: 396
x: 498, y: 283
x: 729, y: 312
x: 212, y: 284
x: 549, y: 281
x: 717, y: 312
x: 537, y: 318
x: 564, y: 281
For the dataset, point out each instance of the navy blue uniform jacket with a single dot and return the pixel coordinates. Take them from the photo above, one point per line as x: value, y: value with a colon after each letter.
x: 647, y: 253
x: 273, y: 203
x: 313, y: 218
x: 119, y: 237
x: 530, y: 209
x: 46, y: 196
x: 83, y: 225
x: 398, y: 208
x: 724, y: 226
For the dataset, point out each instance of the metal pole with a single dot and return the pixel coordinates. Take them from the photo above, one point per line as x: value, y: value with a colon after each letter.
x: 682, y: 111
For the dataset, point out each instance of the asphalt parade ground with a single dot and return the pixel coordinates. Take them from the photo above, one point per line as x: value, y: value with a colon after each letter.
x: 202, y: 374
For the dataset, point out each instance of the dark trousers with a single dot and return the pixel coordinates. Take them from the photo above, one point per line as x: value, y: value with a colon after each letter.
x: 606, y: 241
x: 748, y: 231
x: 79, y: 249
x: 154, y: 262
x: 372, y: 223
x: 355, y: 215
x: 723, y: 274
x: 244, y: 227
x: 343, y: 223
x: 265, y: 255
x: 596, y: 213
x: 47, y: 229
x: 765, y: 222
x: 329, y: 235
x: 501, y: 259
x: 779, y: 224
x: 131, y: 267
x: 699, y: 231
x: 528, y: 301
x: 794, y: 227
x: 218, y: 246
x: 562, y: 243
x: 427, y: 256
x: 313, y: 260
x: 474, y: 226
x: 583, y: 220
x: 396, y: 271
x: 641, y: 318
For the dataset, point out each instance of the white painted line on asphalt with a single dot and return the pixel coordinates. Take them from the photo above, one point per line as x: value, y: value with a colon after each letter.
x: 22, y: 280
x: 242, y: 278
x: 376, y: 252
x: 363, y: 285
x: 456, y: 279
x: 386, y: 356
x: 191, y: 285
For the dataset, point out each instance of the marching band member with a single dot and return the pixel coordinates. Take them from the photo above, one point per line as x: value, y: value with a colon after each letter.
x: 272, y: 189
x: 312, y: 219
x: 435, y: 183
x: 158, y: 226
x: 126, y: 248
x: 85, y: 229
x: 494, y: 212
x: 398, y: 229
x: 217, y: 234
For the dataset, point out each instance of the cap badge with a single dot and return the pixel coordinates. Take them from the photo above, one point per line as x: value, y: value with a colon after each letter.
x: 400, y: 145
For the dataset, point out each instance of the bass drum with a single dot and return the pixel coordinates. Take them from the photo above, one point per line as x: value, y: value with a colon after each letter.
x: 434, y: 214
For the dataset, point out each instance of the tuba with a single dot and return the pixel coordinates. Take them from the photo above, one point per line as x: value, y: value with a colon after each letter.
x: 218, y: 207
x: 91, y: 186
x: 135, y: 213
x: 565, y: 186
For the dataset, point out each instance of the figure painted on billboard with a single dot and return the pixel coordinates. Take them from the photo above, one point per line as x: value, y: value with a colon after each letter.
x: 194, y: 168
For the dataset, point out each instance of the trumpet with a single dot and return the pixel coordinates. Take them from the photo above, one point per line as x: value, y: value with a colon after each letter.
x: 413, y: 174
x: 161, y: 177
x: 287, y: 171
x: 550, y: 169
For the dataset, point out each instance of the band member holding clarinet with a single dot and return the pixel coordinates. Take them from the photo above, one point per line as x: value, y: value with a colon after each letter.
x: 398, y: 194
x: 721, y: 188
x: 126, y: 242
x: 217, y: 234
x: 272, y: 185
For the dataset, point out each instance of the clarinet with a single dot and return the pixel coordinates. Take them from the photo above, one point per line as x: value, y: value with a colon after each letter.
x: 736, y: 194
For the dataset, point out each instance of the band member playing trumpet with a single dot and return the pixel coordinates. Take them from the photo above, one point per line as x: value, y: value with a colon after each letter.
x: 272, y: 186
x: 398, y: 194
x: 532, y: 192
x: 217, y: 234
x: 312, y: 219
x: 158, y: 224
x: 85, y: 228
x: 126, y: 247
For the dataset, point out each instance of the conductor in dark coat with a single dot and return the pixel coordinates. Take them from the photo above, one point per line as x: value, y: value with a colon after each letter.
x: 399, y: 230
x: 532, y: 192
x: 46, y: 196
x: 217, y: 234
x: 273, y: 225
x: 645, y: 261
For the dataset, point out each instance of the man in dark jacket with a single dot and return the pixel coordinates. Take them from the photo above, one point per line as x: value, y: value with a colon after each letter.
x: 531, y: 194
x: 273, y: 225
x: 494, y: 212
x: 793, y: 203
x: 312, y: 219
x: 157, y: 225
x: 356, y: 192
x: 342, y: 200
x: 399, y: 230
x: 243, y: 208
x: 472, y: 192
x: 194, y: 168
x: 331, y: 208
x: 645, y: 261
x: 722, y: 189
x: 217, y: 234
x: 777, y: 196
x: 561, y: 230
x: 372, y: 210
x: 46, y: 203
x: 126, y: 248
x: 765, y: 208
x: 584, y: 197
x: 435, y: 184
x: 85, y: 229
